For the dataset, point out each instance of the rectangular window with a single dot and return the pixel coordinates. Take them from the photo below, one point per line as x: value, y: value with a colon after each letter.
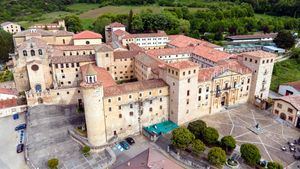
x: 279, y: 105
x: 120, y: 107
x: 187, y: 92
x: 290, y: 110
x: 206, y: 96
x: 131, y: 113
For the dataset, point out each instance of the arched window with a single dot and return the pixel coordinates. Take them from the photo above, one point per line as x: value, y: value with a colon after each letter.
x: 64, y: 41
x: 24, y: 53
x: 91, y: 53
x: 70, y: 53
x: 40, y: 52
x: 87, y: 42
x: 32, y: 53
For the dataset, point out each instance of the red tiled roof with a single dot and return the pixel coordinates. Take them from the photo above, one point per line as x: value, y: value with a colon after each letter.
x: 116, y: 24
x: 254, y: 36
x: 210, y: 53
x: 169, y: 51
x: 120, y: 32
x: 182, y: 64
x: 8, y: 103
x: 87, y: 35
x: 259, y: 54
x: 207, y: 74
x: 296, y: 84
x: 133, y: 87
x: 8, y: 91
x: 103, y: 76
x: 185, y: 41
x: 149, y: 61
x: 74, y: 47
x: 72, y: 59
x: 294, y: 100
x: 134, y: 47
x: 125, y: 54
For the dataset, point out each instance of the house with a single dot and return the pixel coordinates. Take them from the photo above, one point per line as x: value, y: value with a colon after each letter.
x: 149, y: 159
x: 287, y: 108
x: 290, y: 88
x: 11, y: 27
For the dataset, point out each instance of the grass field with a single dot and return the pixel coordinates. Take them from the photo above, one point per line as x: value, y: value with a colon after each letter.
x: 285, y: 71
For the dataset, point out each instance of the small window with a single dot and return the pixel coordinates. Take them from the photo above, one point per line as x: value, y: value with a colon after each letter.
x: 24, y: 53
x: 40, y: 52
x: 120, y: 107
x: 109, y: 109
x: 87, y: 42
x: 131, y: 113
x: 160, y: 107
x: 200, y: 90
x: 109, y: 100
x: 32, y: 52
x: 120, y: 116
x: 290, y: 110
x: 150, y: 109
x: 119, y: 98
x: 188, y: 92
x: 189, y: 80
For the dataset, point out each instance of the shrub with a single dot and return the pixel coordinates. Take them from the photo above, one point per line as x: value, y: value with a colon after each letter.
x: 53, y: 163
x: 86, y: 150
x: 250, y: 153
x: 210, y: 136
x: 216, y: 156
x: 182, y: 137
x: 197, y: 128
x: 197, y: 147
x: 228, y: 143
x: 274, y: 165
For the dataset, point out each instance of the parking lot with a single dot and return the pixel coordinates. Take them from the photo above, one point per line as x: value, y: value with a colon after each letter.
x: 9, y: 138
x: 48, y: 138
x: 236, y: 122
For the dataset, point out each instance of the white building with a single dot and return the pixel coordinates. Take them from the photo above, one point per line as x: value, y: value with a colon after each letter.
x: 11, y: 27
x: 291, y: 88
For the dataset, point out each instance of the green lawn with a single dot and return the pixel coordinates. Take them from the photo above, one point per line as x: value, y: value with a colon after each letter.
x: 285, y: 71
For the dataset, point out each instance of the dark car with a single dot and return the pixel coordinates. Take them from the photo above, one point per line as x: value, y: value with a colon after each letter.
x: 20, y: 127
x: 20, y: 148
x: 130, y: 140
x: 125, y: 145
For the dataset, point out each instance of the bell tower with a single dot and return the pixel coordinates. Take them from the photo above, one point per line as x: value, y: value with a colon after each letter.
x: 93, y: 107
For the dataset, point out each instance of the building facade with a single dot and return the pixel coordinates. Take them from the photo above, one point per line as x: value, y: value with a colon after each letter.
x: 11, y: 27
x: 290, y: 88
x: 126, y: 87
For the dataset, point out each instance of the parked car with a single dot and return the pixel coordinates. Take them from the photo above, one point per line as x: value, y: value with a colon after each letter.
x: 130, y: 140
x: 20, y: 127
x: 125, y: 145
x: 293, y: 149
x: 283, y: 148
x: 20, y: 148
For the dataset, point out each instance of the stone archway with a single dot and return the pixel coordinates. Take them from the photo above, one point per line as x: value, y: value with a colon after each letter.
x: 283, y: 116
x: 224, y: 99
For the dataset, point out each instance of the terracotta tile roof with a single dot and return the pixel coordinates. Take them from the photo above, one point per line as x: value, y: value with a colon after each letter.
x: 295, y: 84
x: 145, y: 35
x: 254, y: 36
x: 125, y: 54
x: 207, y: 74
x: 182, y: 64
x: 116, y: 24
x: 149, y: 159
x: 259, y: 54
x: 133, y: 87
x: 87, y: 35
x: 185, y: 41
x: 6, y: 23
x: 72, y: 59
x: 294, y: 100
x: 33, y: 32
x: 8, y: 91
x: 149, y: 61
x: 134, y: 47
x: 36, y: 42
x: 210, y: 53
x: 75, y: 47
x: 120, y: 32
x: 103, y: 48
x: 169, y: 51
x: 8, y: 103
x: 103, y: 76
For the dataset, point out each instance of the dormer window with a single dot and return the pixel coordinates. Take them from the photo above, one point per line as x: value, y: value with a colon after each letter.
x: 40, y: 52
x: 24, y: 53
x: 32, y: 52
x: 91, y: 79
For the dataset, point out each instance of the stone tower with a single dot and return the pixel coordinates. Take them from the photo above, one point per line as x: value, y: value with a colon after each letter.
x: 93, y: 107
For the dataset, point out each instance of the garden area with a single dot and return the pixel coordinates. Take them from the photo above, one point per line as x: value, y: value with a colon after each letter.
x: 204, y: 142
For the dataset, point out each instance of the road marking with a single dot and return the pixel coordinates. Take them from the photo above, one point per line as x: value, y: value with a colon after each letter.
x: 265, y: 148
x: 228, y: 113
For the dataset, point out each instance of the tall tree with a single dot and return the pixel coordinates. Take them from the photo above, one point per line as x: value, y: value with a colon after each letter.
x: 182, y: 137
x: 73, y: 23
x: 6, y: 45
x: 130, y: 17
x: 285, y: 39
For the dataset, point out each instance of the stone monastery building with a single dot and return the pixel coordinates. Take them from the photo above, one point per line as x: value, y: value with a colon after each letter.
x: 135, y: 80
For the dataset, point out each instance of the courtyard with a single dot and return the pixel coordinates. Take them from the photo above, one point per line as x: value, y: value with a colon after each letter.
x: 236, y: 121
x: 48, y: 138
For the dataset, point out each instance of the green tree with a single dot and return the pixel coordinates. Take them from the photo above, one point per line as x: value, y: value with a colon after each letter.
x: 6, y: 46
x: 100, y: 23
x: 250, y: 153
x: 182, y: 137
x: 130, y: 17
x: 295, y: 54
x: 216, y: 156
x: 53, y: 163
x: 210, y: 135
x: 86, y: 150
x: 137, y: 23
x: 197, y: 128
x: 274, y: 165
x: 197, y: 147
x: 284, y: 39
x: 73, y: 23
x: 228, y: 143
